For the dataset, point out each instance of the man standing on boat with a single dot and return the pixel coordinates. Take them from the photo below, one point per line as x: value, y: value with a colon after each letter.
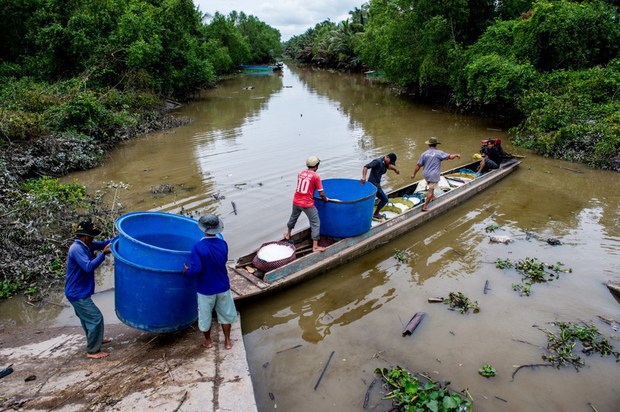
x: 303, y: 201
x: 208, y: 263
x: 431, y: 160
x: 378, y: 167
x: 491, y: 157
x: 80, y: 284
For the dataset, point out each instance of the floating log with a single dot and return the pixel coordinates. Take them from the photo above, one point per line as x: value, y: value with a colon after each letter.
x: 437, y: 299
x: 614, y: 288
x: 324, y: 369
x: 367, y: 397
x: 292, y: 347
x: 413, y: 323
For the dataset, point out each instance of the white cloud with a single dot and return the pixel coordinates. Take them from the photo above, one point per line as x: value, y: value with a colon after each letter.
x: 291, y: 17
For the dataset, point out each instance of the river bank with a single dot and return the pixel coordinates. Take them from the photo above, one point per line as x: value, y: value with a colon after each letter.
x: 36, y: 211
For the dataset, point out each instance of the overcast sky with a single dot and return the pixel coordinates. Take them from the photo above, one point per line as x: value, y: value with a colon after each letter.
x: 291, y: 17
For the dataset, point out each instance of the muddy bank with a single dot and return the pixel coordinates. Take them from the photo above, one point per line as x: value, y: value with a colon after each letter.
x: 35, y: 219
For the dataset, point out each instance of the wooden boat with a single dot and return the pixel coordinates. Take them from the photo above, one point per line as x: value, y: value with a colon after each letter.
x: 260, y: 68
x: 246, y: 281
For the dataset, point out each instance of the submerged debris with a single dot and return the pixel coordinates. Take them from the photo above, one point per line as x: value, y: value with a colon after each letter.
x: 162, y: 188
x: 500, y: 239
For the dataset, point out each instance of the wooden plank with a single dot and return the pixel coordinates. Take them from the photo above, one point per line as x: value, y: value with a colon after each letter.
x: 249, y: 277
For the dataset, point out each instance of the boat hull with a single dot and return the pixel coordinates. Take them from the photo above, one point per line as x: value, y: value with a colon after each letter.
x: 245, y: 285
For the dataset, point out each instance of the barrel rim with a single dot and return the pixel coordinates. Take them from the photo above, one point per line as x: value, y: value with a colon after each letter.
x: 117, y: 255
x: 349, y: 202
x: 126, y: 236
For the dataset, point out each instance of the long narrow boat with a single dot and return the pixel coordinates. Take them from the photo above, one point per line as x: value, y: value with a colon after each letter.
x: 246, y: 281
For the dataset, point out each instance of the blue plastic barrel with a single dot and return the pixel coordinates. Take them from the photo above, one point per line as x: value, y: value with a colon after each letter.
x: 156, y: 239
x: 352, y: 215
x: 152, y: 299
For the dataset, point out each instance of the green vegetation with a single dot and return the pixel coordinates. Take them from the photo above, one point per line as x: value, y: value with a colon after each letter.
x: 401, y: 256
x: 458, y: 301
x: 75, y: 78
x: 532, y: 271
x: 553, y: 64
x: 409, y: 393
x: 487, y: 371
x: 562, y: 344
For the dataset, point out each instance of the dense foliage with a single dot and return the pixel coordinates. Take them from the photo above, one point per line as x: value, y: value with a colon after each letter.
x: 76, y: 76
x: 552, y: 63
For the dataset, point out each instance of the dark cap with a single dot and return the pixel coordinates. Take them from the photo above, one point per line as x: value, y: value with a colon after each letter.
x: 210, y: 224
x: 86, y: 229
x: 392, y: 157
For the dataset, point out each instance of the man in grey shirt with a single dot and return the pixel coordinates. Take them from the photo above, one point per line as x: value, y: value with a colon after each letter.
x: 431, y: 160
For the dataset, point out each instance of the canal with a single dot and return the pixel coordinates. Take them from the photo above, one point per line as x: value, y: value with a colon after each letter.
x: 239, y: 158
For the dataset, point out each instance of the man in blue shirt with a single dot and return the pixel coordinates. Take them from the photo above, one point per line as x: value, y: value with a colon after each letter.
x: 431, y: 160
x: 378, y: 167
x: 208, y: 264
x: 80, y: 284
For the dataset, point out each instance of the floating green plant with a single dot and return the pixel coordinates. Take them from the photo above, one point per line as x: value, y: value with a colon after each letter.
x: 410, y: 393
x: 401, y: 256
x: 458, y: 301
x: 532, y: 271
x: 491, y: 228
x: 487, y: 371
x: 561, y: 345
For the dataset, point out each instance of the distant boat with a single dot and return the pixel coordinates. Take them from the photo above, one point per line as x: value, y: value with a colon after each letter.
x: 372, y: 74
x: 260, y: 68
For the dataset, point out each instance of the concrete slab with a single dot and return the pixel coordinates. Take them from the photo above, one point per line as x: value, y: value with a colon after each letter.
x: 164, y: 372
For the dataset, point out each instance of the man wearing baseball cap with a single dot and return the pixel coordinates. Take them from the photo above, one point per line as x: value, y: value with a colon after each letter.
x: 303, y: 201
x: 378, y: 167
x: 80, y: 284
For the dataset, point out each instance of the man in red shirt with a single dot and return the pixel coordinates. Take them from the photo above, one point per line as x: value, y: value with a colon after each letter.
x: 303, y: 201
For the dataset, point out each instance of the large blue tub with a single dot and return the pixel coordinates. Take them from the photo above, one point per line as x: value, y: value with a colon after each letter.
x: 351, y: 216
x: 150, y: 299
x: 156, y: 239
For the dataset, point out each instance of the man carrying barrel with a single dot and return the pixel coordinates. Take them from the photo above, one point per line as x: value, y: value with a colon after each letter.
x: 80, y: 284
x: 208, y: 263
x: 303, y: 201
x: 378, y: 167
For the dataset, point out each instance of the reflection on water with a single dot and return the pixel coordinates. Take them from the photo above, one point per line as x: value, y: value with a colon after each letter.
x: 239, y: 158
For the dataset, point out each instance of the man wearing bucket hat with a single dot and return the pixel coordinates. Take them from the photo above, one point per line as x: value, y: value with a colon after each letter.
x: 80, y: 284
x: 378, y: 167
x: 303, y: 201
x: 208, y: 264
x: 431, y: 160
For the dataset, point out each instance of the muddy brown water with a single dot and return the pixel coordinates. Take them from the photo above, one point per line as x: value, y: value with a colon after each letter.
x: 239, y: 158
